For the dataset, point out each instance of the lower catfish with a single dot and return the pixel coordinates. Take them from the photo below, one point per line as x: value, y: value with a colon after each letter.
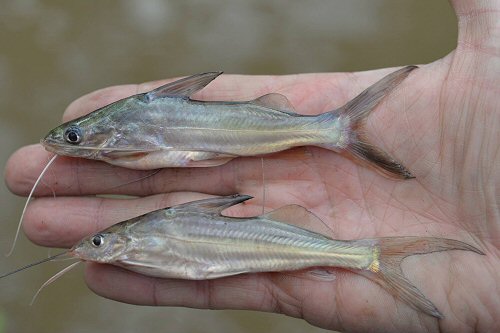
x: 195, y: 241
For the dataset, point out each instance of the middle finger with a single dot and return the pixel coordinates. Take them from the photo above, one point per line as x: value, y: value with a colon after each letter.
x: 77, y: 176
x: 63, y: 221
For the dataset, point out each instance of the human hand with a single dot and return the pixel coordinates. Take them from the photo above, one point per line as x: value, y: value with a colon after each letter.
x: 442, y: 122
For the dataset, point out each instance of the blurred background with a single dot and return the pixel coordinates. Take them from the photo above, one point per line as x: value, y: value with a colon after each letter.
x: 55, y: 51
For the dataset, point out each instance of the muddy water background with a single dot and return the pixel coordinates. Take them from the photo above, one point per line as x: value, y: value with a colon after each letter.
x: 51, y: 52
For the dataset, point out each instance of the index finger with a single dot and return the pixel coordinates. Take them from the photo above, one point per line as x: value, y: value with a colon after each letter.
x: 96, y: 99
x: 300, y: 89
x: 225, y: 89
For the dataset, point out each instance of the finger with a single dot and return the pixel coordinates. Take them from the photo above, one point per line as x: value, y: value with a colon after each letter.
x: 223, y: 88
x: 349, y: 302
x: 238, y: 292
x: 294, y: 294
x: 476, y: 20
x: 97, y: 99
x: 309, y: 93
x: 63, y: 221
x: 76, y: 176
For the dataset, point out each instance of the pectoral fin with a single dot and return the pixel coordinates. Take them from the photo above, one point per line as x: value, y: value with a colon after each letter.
x: 127, y: 153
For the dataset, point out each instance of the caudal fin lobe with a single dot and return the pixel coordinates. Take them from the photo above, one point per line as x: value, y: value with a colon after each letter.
x: 386, y: 268
x: 358, y: 109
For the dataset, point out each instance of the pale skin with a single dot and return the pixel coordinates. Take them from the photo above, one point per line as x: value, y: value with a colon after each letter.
x: 443, y: 122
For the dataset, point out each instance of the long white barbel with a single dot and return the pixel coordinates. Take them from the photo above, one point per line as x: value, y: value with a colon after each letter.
x: 27, y: 202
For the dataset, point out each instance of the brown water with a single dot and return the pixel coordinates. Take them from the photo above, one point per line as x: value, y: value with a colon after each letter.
x: 54, y: 51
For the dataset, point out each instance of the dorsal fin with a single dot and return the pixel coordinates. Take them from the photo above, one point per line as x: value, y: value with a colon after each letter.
x: 275, y: 101
x: 213, y: 205
x: 300, y: 217
x: 184, y: 87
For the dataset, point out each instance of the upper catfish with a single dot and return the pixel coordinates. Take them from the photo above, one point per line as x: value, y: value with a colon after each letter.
x: 115, y: 127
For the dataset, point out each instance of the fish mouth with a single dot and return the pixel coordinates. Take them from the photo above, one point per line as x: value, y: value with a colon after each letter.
x: 56, y: 147
x: 70, y: 150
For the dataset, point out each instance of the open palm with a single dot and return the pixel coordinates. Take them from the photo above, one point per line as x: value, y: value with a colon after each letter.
x: 443, y: 122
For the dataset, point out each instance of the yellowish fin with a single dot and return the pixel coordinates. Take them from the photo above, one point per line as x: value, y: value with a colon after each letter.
x: 386, y: 266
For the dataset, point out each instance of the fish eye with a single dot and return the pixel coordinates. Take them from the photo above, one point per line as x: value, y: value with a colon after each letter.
x: 97, y: 240
x: 73, y: 135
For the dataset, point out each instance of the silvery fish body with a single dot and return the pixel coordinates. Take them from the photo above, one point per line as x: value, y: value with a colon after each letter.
x: 195, y: 241
x: 166, y: 128
x: 180, y: 132
x: 198, y: 244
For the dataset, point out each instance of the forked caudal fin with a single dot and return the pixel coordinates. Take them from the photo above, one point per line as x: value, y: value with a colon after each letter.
x: 358, y: 109
x: 386, y: 267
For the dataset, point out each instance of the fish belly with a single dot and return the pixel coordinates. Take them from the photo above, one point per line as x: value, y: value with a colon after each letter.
x: 171, y: 158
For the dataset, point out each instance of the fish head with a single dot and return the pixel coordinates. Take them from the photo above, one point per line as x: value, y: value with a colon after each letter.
x: 103, y: 247
x: 83, y: 137
x: 106, y: 131
x: 73, y: 139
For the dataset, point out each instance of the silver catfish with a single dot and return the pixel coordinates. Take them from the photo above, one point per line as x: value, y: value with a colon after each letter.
x: 195, y: 241
x: 166, y: 128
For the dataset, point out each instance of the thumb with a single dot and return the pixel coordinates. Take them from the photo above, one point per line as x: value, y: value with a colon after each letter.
x: 478, y: 22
